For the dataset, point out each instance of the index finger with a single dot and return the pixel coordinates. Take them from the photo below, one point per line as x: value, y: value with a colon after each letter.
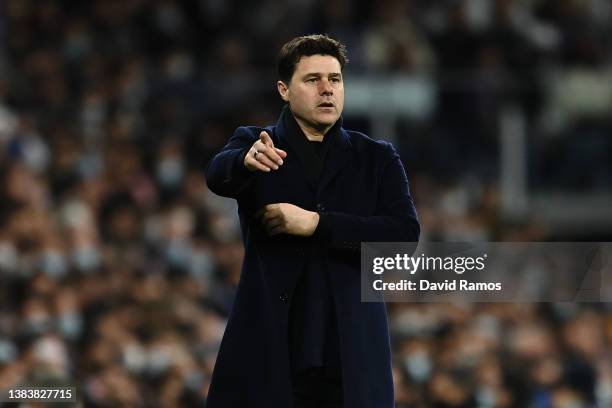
x: 265, y: 209
x: 266, y: 139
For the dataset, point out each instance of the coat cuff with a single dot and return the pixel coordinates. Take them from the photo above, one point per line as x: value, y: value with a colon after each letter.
x: 239, y: 168
x: 323, y: 230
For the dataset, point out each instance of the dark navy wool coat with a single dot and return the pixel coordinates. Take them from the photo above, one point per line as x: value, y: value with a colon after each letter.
x: 362, y: 195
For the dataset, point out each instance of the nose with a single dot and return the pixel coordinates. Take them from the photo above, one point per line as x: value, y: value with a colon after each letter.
x: 325, y: 87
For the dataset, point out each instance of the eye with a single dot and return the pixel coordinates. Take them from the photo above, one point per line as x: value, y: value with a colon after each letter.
x: 311, y: 80
x: 335, y: 80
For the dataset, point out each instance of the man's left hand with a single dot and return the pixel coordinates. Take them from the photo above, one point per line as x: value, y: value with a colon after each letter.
x: 284, y: 218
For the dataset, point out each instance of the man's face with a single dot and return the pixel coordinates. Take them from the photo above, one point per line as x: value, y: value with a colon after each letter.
x: 315, y: 92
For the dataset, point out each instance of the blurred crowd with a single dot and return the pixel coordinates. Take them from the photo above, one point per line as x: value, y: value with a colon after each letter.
x: 118, y: 266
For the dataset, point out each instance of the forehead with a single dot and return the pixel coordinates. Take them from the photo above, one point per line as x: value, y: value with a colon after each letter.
x: 323, y: 64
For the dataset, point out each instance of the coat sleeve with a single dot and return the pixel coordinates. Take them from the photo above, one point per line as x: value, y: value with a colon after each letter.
x: 395, y: 219
x: 226, y: 174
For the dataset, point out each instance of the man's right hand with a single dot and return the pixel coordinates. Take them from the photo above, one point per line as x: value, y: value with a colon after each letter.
x: 263, y: 156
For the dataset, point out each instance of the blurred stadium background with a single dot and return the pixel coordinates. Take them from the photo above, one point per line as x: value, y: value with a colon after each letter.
x: 118, y: 267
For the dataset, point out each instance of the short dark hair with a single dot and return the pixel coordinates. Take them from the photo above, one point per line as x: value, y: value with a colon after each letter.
x: 305, y: 46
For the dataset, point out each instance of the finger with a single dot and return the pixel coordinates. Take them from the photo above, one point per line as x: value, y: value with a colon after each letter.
x: 259, y: 166
x: 270, y: 217
x: 272, y: 207
x: 276, y: 230
x: 277, y: 155
x: 266, y: 139
x: 263, y: 158
x: 268, y: 211
x: 257, y: 153
x: 279, y: 229
x: 269, y: 223
x: 273, y: 155
x: 280, y: 152
x: 272, y: 222
x: 260, y: 145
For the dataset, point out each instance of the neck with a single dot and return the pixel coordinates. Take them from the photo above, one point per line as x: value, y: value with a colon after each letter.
x: 312, y: 134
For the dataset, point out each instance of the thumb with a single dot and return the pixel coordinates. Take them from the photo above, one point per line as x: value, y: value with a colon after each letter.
x: 266, y: 139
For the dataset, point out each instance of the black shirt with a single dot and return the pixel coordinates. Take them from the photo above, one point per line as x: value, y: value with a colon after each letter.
x: 313, y: 333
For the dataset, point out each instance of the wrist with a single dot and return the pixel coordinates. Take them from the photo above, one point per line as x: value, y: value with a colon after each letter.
x: 245, y: 165
x: 314, y: 222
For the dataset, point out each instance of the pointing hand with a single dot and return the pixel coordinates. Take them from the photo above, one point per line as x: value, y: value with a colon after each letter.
x: 263, y: 156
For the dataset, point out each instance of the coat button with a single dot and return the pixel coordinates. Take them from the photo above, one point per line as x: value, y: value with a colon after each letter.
x: 284, y: 297
x: 320, y: 207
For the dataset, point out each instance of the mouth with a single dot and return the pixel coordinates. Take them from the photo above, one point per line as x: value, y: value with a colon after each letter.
x: 325, y: 105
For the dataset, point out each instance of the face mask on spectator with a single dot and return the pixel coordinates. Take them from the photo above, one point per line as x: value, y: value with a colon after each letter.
x: 178, y: 253
x: 134, y: 358
x: 53, y: 264
x: 201, y: 264
x: 604, y: 393
x: 36, y: 154
x: 486, y: 397
x: 418, y: 366
x: 51, y: 353
x: 86, y: 258
x: 194, y: 380
x: 159, y: 360
x: 170, y: 171
x: 70, y: 324
x: 8, y: 257
x: 8, y: 351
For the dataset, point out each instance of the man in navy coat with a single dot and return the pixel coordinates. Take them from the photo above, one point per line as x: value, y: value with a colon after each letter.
x: 309, y: 192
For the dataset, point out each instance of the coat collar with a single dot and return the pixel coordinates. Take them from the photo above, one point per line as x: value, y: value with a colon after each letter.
x: 337, y: 149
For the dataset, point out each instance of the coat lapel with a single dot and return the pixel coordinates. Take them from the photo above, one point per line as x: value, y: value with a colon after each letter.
x: 338, y: 151
x: 290, y: 133
x: 338, y: 156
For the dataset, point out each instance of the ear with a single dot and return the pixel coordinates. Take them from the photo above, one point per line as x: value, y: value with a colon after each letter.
x: 283, y: 90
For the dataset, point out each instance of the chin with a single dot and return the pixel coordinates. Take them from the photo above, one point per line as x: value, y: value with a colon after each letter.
x: 324, y: 125
x: 326, y: 120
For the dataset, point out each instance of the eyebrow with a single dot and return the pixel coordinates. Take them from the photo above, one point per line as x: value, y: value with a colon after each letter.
x: 318, y: 74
